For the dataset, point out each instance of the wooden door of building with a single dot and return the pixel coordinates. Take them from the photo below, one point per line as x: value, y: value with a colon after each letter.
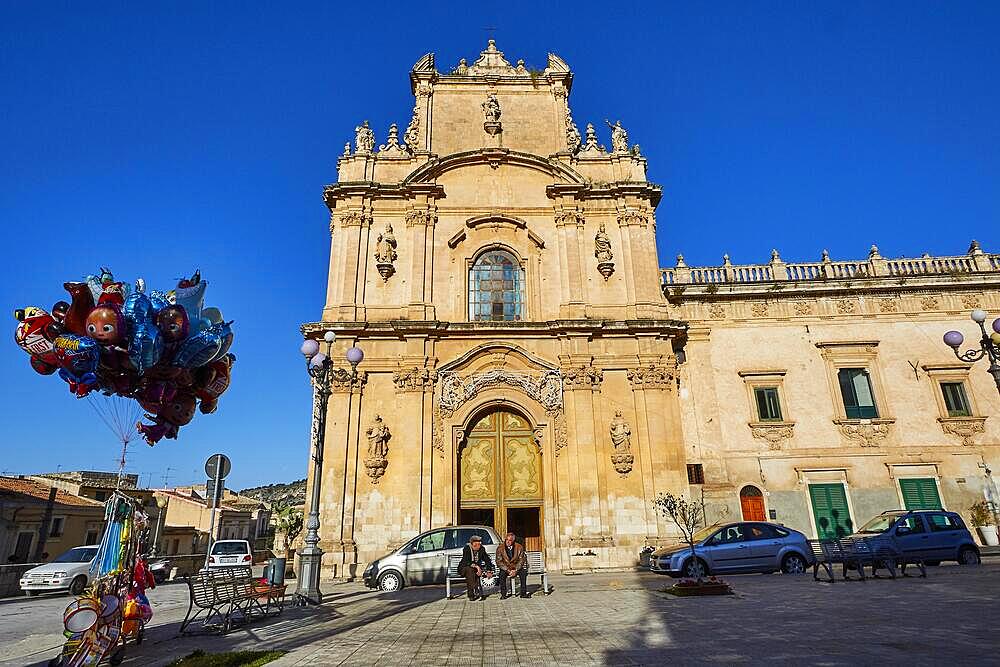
x: 752, y: 504
x: 501, y: 477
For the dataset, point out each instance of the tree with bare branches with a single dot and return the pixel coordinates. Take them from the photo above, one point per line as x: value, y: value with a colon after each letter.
x: 688, y: 515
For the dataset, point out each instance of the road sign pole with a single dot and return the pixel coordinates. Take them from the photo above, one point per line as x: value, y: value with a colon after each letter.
x: 218, y: 467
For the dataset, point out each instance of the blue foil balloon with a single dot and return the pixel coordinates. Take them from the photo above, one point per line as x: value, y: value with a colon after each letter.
x: 145, y: 346
x: 78, y: 357
x: 159, y: 300
x: 192, y: 299
x: 227, y: 340
x: 137, y: 310
x: 201, y: 348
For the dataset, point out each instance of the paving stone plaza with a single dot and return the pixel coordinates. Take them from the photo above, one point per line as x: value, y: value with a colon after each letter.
x: 608, y: 619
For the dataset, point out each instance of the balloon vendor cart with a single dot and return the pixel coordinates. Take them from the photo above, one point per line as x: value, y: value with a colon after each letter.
x: 134, y: 354
x: 114, y: 610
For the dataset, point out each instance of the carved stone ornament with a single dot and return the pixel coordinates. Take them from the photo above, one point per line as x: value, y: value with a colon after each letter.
x: 378, y: 449
x: 385, y: 253
x: 651, y: 376
x: 585, y: 377
x: 490, y: 62
x: 344, y: 381
x: 590, y: 146
x: 621, y: 440
x: 717, y: 311
x: 364, y: 139
x: 565, y: 218
x: 929, y: 303
x: 456, y: 390
x: 602, y: 251
x: 845, y: 306
x: 491, y: 113
x: 414, y: 379
x: 774, y: 434
x: 970, y: 301
x: 759, y: 309
x: 418, y: 217
x: 888, y: 306
x: 803, y: 308
x: 619, y: 137
x: 392, y: 148
x: 966, y: 428
x: 866, y: 432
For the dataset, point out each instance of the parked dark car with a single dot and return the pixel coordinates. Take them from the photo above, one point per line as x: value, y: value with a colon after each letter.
x: 736, y: 547
x: 928, y: 535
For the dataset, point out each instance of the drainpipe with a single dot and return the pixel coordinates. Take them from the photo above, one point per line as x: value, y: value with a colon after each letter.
x: 43, y: 530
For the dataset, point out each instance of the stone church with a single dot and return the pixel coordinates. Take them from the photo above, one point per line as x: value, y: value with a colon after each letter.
x: 529, y: 366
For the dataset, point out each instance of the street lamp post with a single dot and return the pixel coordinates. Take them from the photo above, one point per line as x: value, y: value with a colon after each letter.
x: 322, y: 371
x: 161, y: 505
x: 989, y: 345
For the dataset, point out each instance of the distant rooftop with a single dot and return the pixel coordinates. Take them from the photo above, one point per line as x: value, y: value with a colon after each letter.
x: 98, y: 479
x: 10, y: 487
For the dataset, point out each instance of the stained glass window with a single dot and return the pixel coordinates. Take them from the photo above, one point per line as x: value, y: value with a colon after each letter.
x: 496, y: 288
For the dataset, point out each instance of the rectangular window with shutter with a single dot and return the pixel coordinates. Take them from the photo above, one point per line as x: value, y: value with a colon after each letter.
x: 920, y: 494
x: 696, y: 474
x: 768, y: 403
x: 955, y: 400
x: 856, y: 390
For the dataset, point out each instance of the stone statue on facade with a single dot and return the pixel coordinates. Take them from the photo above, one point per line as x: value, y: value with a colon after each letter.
x: 619, y: 137
x: 602, y: 251
x: 412, y: 134
x: 364, y: 138
x: 385, y: 253
x: 621, y: 440
x: 572, y: 135
x: 378, y: 449
x: 491, y: 108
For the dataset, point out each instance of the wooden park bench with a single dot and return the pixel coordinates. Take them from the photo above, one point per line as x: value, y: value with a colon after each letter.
x: 223, y: 597
x: 536, y: 567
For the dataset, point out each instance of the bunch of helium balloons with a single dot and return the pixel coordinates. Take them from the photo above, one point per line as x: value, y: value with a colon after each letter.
x: 165, y: 350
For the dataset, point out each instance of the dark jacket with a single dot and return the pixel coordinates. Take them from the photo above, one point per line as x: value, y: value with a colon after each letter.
x: 483, y: 559
x: 519, y: 561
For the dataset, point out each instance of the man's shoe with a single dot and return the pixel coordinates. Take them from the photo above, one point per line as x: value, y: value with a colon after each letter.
x: 504, y: 596
x: 524, y: 595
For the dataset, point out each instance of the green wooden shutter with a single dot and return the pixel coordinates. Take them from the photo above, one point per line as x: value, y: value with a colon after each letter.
x: 833, y: 518
x: 920, y: 494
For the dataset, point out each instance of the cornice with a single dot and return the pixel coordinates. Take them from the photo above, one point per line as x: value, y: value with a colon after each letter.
x: 395, y: 328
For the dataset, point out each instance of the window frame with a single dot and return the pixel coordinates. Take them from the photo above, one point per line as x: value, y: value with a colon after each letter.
x: 62, y: 527
x: 522, y: 265
x: 855, y: 354
x: 951, y: 373
x: 754, y: 379
x: 866, y: 374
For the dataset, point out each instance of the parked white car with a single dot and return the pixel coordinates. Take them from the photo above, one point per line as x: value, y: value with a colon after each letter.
x: 69, y: 572
x: 228, y: 553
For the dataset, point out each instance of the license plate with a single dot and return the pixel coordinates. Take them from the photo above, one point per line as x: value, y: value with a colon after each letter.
x: 229, y: 560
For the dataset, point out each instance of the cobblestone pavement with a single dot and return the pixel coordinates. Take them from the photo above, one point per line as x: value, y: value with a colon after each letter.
x: 622, y: 619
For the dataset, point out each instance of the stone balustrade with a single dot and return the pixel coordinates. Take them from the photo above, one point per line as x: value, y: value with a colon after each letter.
x: 975, y: 261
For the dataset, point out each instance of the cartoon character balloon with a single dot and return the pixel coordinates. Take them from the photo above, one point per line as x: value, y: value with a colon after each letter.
x: 163, y: 349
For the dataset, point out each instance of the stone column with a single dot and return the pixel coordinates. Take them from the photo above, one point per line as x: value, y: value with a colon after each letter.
x: 652, y: 387
x: 414, y: 392
x: 569, y: 226
x: 354, y: 256
x: 418, y: 223
x: 352, y: 464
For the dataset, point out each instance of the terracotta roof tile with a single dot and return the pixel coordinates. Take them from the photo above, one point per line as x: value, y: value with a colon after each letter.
x: 40, y: 491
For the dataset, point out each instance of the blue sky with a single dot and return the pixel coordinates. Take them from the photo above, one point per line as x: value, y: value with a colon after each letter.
x: 156, y: 138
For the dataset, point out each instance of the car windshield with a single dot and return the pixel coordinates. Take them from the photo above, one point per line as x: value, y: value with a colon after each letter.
x: 705, y: 532
x: 879, y: 524
x: 78, y: 555
x: 229, y: 548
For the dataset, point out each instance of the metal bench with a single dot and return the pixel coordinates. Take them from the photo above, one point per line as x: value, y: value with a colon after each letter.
x: 857, y: 553
x: 222, y: 597
x: 453, y: 561
x: 536, y: 567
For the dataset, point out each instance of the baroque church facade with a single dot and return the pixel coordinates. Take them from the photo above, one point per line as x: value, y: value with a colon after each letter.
x: 529, y: 366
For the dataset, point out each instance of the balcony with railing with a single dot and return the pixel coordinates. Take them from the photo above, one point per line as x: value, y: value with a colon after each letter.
x: 876, y: 266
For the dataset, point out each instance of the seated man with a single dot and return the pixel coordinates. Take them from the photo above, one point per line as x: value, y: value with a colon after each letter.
x: 474, y: 564
x: 512, y: 561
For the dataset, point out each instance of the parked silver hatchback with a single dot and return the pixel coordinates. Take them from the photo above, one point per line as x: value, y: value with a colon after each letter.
x: 424, y: 559
x: 736, y: 547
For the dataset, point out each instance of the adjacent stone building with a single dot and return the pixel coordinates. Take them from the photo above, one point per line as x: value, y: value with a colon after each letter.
x: 529, y: 366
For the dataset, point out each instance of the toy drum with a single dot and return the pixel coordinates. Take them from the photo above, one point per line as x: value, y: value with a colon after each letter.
x: 489, y: 581
x: 110, y: 604
x: 81, y: 614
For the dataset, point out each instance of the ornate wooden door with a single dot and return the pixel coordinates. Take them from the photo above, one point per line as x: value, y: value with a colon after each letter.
x: 501, y: 467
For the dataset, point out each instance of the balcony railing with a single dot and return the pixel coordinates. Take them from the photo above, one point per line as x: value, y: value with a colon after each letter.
x: 975, y: 261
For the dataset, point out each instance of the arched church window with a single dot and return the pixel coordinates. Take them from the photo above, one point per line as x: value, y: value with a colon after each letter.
x: 496, y: 288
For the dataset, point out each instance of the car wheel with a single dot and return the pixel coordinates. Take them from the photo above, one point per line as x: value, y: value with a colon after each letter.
x: 78, y: 585
x: 793, y: 564
x: 695, y: 568
x: 968, y: 556
x: 390, y: 581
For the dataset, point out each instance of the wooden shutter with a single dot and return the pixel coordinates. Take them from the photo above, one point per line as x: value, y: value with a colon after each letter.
x: 920, y: 494
x: 833, y: 518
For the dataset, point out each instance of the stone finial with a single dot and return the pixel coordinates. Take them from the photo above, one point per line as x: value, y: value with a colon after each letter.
x: 347, y: 149
x: 636, y: 151
x: 826, y: 255
x: 680, y: 262
x: 725, y: 260
x: 590, y: 143
x: 873, y: 252
x: 775, y: 257
x: 975, y: 248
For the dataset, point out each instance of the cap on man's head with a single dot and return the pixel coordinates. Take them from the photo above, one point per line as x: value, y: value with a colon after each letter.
x: 475, y: 538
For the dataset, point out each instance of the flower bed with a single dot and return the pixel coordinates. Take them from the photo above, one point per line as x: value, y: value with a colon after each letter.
x: 691, y: 587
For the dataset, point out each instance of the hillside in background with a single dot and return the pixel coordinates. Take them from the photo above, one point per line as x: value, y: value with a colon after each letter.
x: 292, y: 493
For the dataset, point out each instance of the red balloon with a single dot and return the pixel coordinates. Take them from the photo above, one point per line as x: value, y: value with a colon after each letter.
x: 83, y: 302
